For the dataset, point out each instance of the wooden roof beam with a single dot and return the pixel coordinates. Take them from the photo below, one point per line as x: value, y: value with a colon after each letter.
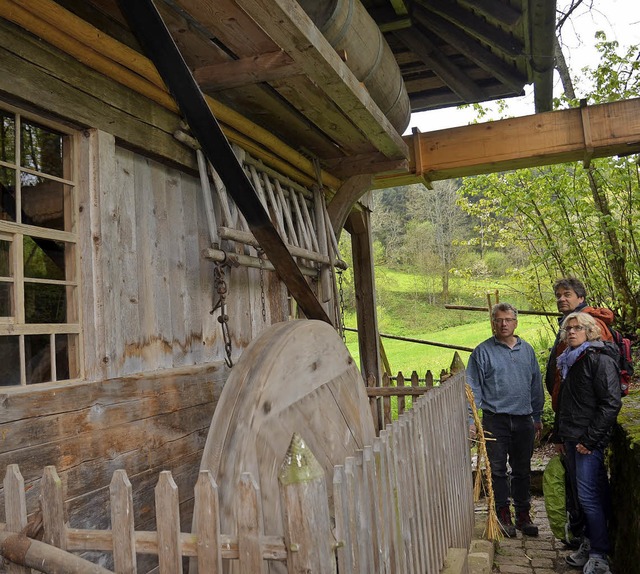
x: 578, y: 134
x: 473, y: 50
x: 455, y: 78
x: 448, y: 99
x: 289, y: 26
x: 495, y: 10
x: 250, y: 70
x: 475, y: 26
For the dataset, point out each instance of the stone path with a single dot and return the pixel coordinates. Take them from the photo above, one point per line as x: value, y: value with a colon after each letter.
x: 527, y: 555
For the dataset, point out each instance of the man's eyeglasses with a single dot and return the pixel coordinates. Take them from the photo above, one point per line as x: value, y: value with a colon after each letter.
x: 577, y: 328
x: 504, y: 320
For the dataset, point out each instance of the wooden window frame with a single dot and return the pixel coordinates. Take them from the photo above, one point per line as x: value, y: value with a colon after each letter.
x: 17, y: 325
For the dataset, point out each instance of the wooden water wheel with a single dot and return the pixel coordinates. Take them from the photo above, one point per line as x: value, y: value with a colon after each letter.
x: 295, y: 377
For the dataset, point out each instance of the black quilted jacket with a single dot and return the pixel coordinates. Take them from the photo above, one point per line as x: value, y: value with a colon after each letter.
x: 590, y: 398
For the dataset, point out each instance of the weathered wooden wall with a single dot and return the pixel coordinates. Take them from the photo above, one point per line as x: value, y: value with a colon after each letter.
x: 153, y: 354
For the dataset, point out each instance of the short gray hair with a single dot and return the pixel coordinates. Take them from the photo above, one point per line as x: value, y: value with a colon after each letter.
x: 591, y: 327
x: 503, y: 307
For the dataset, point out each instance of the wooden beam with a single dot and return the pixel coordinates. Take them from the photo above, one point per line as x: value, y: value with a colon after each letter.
x: 399, y: 7
x: 343, y: 201
x: 472, y: 49
x: 454, y: 77
x: 475, y: 26
x: 363, y: 164
x: 289, y: 26
x: 245, y: 71
x: 553, y: 137
x: 397, y: 24
x: 495, y: 10
x: 448, y: 99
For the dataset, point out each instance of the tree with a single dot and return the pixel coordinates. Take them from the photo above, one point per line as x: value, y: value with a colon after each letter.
x: 576, y: 220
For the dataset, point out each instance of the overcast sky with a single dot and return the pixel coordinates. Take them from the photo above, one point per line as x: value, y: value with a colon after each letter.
x: 619, y: 19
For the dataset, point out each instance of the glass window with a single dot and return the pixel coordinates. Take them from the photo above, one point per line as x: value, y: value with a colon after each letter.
x: 39, y: 340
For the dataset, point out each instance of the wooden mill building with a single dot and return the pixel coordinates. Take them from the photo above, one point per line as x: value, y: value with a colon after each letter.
x: 144, y: 244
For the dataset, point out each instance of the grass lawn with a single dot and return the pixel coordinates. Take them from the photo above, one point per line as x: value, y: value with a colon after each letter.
x: 407, y: 357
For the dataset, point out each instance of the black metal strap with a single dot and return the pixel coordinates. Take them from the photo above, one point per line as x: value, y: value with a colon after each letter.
x: 146, y: 23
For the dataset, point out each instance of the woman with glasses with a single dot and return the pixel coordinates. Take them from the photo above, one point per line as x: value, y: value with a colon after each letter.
x: 588, y: 405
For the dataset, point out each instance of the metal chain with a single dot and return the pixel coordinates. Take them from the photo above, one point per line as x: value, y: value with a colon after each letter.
x: 220, y: 286
x: 341, y: 304
x: 261, y: 256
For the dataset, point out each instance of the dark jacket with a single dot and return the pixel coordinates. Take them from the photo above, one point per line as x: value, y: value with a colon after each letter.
x: 590, y: 398
x: 604, y: 318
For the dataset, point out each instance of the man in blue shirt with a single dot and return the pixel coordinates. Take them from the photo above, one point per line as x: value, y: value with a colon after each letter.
x: 504, y: 374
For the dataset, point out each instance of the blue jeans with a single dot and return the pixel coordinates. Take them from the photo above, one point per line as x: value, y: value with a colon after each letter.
x: 514, y: 435
x: 593, y: 493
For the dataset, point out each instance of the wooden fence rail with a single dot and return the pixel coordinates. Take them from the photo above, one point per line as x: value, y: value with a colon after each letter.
x: 398, y: 506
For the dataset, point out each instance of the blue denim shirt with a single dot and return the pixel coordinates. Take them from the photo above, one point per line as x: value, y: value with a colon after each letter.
x: 505, y: 380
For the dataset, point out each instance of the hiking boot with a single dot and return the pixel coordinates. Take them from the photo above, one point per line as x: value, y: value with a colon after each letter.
x: 523, y: 522
x: 580, y: 557
x: 506, y: 525
x: 596, y: 566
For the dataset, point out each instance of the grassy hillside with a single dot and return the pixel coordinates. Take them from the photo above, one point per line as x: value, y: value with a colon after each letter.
x: 404, y: 309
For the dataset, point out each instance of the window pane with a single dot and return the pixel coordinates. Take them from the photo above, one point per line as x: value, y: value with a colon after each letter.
x: 5, y: 259
x: 42, y: 201
x: 44, y: 258
x: 6, y: 299
x: 45, y: 303
x: 8, y: 194
x: 66, y: 358
x: 7, y: 137
x: 9, y: 360
x: 37, y: 356
x: 41, y: 148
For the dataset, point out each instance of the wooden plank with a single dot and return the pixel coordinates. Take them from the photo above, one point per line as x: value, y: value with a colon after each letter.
x: 207, y: 524
x: 401, y: 400
x: 122, y: 523
x: 358, y: 561
x: 265, y: 67
x: 168, y: 525
x: 382, y: 494
x: 194, y: 241
x: 341, y: 516
x: 95, y: 160
x: 249, y: 516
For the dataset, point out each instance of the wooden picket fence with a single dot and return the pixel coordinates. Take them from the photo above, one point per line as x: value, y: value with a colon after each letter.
x: 395, y: 390
x: 398, y: 506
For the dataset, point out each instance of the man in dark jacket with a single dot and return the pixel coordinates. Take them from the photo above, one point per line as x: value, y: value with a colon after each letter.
x: 588, y: 404
x: 570, y: 296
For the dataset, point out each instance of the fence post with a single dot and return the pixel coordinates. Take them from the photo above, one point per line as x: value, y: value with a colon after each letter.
x: 15, y: 507
x: 122, y: 526
x: 51, y: 501
x: 168, y: 524
x: 307, y: 526
x: 207, y: 523
x: 249, y: 517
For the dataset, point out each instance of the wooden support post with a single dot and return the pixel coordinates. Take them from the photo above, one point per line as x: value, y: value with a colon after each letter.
x: 207, y: 523
x: 249, y: 517
x: 364, y: 280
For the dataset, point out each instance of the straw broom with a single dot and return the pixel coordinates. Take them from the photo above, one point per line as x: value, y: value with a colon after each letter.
x: 492, y: 530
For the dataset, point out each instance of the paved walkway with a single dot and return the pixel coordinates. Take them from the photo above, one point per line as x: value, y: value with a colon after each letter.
x: 527, y: 555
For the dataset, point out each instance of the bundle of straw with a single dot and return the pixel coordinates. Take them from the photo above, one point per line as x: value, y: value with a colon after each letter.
x: 492, y: 531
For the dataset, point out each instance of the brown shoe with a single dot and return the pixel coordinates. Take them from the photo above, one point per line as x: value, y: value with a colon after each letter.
x: 506, y: 525
x: 523, y: 522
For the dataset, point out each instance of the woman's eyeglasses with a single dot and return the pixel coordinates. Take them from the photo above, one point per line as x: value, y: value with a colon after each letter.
x: 577, y: 328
